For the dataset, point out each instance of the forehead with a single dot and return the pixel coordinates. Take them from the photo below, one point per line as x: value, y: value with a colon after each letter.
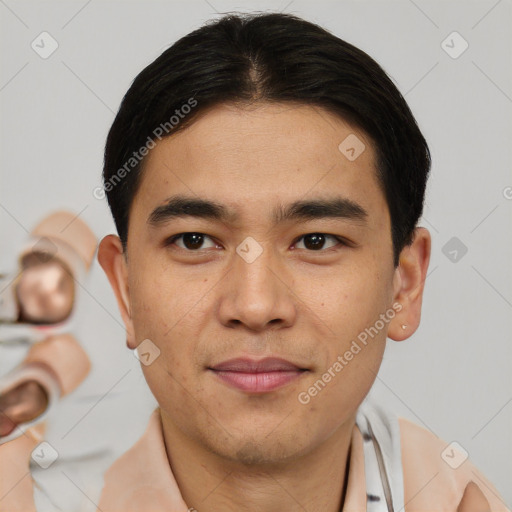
x: 252, y: 157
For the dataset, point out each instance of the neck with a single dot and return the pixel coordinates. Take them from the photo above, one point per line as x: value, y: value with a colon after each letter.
x: 316, y: 481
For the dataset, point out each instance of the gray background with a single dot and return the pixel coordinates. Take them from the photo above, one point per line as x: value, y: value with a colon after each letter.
x: 453, y: 376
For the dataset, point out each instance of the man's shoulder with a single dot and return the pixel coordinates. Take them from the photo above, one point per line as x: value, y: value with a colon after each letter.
x: 434, y: 469
x: 141, y: 479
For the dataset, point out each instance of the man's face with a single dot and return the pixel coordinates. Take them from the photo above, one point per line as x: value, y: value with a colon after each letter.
x: 282, y: 294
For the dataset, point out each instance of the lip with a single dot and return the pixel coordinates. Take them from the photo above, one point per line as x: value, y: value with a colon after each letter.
x: 257, y: 376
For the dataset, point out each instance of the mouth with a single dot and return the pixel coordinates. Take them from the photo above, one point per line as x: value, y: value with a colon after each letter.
x: 255, y: 376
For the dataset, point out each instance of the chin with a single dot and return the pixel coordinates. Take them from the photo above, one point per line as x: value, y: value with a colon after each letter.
x: 260, y: 452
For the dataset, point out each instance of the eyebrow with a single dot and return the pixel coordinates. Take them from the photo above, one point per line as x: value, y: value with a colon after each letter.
x: 180, y: 206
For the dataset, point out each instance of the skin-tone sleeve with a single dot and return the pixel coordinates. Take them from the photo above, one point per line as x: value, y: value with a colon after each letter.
x: 434, y: 482
x: 473, y: 500
x: 60, y: 359
x: 16, y: 485
x: 64, y: 357
x: 57, y: 363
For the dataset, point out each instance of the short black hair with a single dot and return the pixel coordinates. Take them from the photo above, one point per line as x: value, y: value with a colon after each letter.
x: 271, y: 57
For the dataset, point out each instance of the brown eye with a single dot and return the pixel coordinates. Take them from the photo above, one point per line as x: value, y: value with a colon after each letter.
x: 191, y: 241
x: 317, y: 241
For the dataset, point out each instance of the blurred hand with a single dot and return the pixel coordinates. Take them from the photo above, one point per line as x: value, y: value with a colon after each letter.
x: 23, y: 403
x: 473, y: 500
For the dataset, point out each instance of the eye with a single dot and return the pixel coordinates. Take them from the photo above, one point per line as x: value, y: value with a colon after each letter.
x: 191, y: 241
x: 317, y: 241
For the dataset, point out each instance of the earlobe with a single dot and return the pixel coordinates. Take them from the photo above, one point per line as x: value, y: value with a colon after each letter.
x: 408, y: 285
x: 112, y: 259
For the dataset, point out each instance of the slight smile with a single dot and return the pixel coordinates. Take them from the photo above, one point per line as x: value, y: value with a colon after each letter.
x: 254, y: 376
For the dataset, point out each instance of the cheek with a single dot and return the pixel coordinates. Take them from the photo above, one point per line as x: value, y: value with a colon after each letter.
x: 351, y: 302
x: 163, y: 313
x: 352, y: 307
x: 154, y: 303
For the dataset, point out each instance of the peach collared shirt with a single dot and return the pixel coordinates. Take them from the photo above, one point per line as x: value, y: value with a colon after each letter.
x: 141, y: 480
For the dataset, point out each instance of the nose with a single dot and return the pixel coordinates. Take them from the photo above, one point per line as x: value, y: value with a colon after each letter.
x: 257, y: 295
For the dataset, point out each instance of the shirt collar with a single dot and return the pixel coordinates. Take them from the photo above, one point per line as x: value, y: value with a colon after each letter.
x: 141, y: 479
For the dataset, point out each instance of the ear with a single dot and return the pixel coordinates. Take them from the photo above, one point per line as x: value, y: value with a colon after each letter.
x: 408, y: 285
x: 112, y: 259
